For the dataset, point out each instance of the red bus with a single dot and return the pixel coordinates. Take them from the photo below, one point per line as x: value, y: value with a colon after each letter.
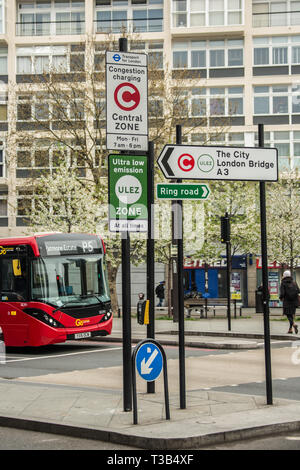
x: 53, y: 288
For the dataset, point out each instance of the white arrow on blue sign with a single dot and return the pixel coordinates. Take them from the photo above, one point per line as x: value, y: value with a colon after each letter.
x: 149, y: 361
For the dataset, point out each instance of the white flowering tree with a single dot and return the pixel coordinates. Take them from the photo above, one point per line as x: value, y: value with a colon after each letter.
x: 239, y: 200
x: 62, y: 203
x: 283, y: 219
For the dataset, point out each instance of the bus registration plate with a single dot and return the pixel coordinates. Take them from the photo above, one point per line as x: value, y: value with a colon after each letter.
x: 83, y: 335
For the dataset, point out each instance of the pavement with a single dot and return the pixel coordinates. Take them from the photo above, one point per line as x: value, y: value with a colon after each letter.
x: 89, y: 404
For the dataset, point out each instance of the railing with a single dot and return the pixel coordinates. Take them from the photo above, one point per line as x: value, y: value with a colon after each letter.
x: 141, y: 25
x: 48, y: 28
x: 276, y: 18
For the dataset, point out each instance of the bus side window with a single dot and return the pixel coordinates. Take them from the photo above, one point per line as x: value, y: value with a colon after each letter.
x: 7, y: 280
x: 7, y: 275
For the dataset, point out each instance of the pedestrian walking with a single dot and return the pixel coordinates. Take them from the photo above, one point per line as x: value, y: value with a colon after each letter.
x: 289, y: 294
x: 160, y: 292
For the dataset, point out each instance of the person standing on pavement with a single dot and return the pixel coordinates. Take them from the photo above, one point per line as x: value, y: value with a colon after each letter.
x: 289, y: 294
x: 160, y: 292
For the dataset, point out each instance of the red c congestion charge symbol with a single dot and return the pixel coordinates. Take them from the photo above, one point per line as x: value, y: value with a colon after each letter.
x: 127, y: 96
x: 186, y: 162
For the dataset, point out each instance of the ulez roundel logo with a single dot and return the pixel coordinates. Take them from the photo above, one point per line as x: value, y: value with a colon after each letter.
x: 205, y: 163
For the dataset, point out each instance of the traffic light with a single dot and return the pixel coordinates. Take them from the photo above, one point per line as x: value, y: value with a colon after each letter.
x: 225, y: 229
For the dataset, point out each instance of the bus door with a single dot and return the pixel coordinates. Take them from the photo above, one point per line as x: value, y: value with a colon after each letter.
x: 13, y: 290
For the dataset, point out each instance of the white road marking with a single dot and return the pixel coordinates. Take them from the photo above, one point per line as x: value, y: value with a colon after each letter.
x: 62, y: 355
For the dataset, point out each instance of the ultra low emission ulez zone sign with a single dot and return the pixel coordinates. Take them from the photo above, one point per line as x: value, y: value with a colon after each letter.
x: 126, y: 101
x: 219, y: 163
x: 127, y: 193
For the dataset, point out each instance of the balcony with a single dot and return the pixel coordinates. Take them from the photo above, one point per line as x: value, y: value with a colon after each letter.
x: 50, y: 28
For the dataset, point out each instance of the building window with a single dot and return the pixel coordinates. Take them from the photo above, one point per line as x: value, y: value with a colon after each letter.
x: 3, y: 203
x: 273, y: 50
x: 280, y: 13
x: 211, y: 54
x: 287, y: 146
x: 3, y: 60
x: 2, y: 17
x: 189, y: 13
x: 277, y: 50
x: 215, y: 101
x: 50, y: 17
x: 153, y: 49
x: 2, y: 160
x: 44, y: 156
x: 40, y: 107
x: 3, y: 207
x: 264, y: 103
x: 224, y: 138
x: 3, y: 107
x: 277, y: 99
x: 25, y: 204
x: 113, y: 16
x: 45, y: 59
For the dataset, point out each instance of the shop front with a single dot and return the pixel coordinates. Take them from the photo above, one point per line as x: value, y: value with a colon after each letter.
x: 210, y: 278
x: 275, y: 271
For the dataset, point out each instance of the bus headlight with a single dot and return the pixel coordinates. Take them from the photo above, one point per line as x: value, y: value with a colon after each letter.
x: 106, y: 316
x: 43, y: 317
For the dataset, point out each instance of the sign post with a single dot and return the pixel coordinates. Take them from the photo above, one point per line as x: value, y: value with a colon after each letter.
x: 231, y: 164
x: 150, y: 252
x: 264, y: 258
x: 225, y: 238
x: 149, y: 359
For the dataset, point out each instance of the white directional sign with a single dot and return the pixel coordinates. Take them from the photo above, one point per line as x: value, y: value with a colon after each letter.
x: 219, y: 163
x: 126, y: 101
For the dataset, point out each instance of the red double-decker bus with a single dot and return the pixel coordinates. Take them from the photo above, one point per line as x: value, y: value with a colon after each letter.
x: 53, y: 288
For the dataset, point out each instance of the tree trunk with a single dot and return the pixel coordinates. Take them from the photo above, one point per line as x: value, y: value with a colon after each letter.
x: 112, y: 277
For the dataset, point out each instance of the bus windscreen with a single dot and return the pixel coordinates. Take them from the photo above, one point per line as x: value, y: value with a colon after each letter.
x: 70, y: 281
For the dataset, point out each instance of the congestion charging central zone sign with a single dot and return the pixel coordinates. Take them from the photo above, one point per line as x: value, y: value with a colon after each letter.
x: 127, y: 176
x: 126, y: 101
x: 219, y: 163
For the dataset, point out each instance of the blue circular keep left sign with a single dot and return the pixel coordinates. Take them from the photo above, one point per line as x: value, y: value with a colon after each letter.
x: 149, y: 361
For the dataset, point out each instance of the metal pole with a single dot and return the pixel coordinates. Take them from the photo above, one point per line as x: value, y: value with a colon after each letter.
x: 126, y: 303
x: 228, y: 255
x: 264, y: 259
x: 150, y: 253
x: 126, y: 321
x: 180, y: 290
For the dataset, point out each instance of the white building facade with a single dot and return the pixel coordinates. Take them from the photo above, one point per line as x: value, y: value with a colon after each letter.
x: 242, y: 58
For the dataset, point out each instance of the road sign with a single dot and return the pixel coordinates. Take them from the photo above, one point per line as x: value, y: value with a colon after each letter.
x: 149, y: 361
x: 182, y: 191
x: 126, y: 101
x: 127, y: 176
x: 219, y: 163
